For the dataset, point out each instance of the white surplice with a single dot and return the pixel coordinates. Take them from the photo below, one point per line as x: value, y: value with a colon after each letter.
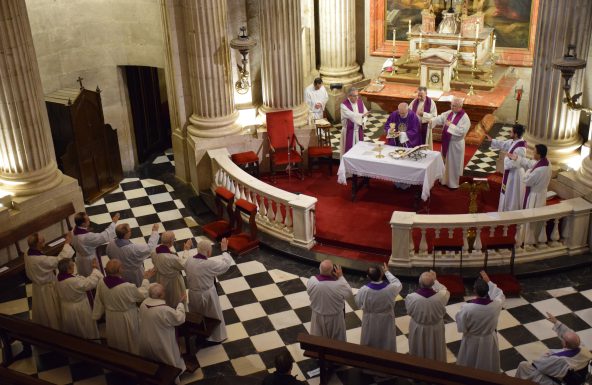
x: 76, y: 311
x: 120, y: 306
x: 514, y: 194
x: 327, y: 303
x: 86, y: 247
x: 203, y: 297
x: 40, y: 269
x: 537, y: 181
x: 426, y: 117
x: 169, y: 269
x: 478, y: 323
x: 132, y: 256
x: 157, y: 339
x: 378, y: 319
x: 357, y: 117
x: 455, y: 158
x: 426, y: 328
x: 312, y: 97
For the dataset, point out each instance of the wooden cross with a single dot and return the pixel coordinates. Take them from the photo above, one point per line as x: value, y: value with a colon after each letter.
x: 79, y: 80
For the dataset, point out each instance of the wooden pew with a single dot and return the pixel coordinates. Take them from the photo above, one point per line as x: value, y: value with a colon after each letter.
x: 142, y: 370
x: 401, y: 365
x: 12, y: 377
x: 195, y: 325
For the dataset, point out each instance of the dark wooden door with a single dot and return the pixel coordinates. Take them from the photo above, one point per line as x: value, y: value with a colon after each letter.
x: 149, y: 111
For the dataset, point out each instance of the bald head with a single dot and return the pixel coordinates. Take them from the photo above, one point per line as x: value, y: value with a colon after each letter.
x: 326, y: 267
x: 403, y: 109
x: 156, y: 291
x: 167, y: 238
x: 113, y: 267
x: 36, y: 241
x: 204, y: 247
x: 123, y: 231
x: 571, y: 340
x: 426, y: 279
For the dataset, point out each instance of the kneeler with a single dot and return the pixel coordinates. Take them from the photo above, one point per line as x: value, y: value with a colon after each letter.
x: 222, y: 227
x: 242, y: 242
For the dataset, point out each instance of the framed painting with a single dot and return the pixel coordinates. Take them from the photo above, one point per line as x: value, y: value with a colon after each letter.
x: 514, y: 22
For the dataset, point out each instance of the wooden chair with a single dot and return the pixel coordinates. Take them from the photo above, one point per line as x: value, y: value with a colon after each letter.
x: 284, y: 148
x: 241, y: 242
x: 221, y: 228
x: 323, y: 151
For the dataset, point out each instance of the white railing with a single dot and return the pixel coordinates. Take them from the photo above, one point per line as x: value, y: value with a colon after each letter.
x: 279, y: 213
x: 569, y: 235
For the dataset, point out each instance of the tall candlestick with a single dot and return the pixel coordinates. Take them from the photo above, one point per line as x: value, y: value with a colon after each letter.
x: 394, y: 37
x: 409, y: 25
x: 420, y: 38
x: 493, y: 47
x: 474, y: 59
x: 477, y: 32
x: 458, y: 44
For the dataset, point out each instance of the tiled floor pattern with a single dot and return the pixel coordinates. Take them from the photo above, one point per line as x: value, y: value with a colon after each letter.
x: 484, y: 160
x: 266, y: 309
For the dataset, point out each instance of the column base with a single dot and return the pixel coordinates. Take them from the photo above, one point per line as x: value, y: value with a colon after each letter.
x: 300, y: 114
x: 344, y: 75
x: 32, y: 183
x: 217, y: 127
x: 558, y: 151
x: 584, y: 176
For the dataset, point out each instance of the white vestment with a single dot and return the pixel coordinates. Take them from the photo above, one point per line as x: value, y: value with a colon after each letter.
x: 40, y: 270
x: 426, y: 328
x: 132, y: 256
x: 378, y: 319
x: 86, y: 247
x: 168, y: 273
x: 478, y: 323
x: 157, y: 339
x: 426, y: 118
x: 120, y: 305
x: 512, y: 198
x: 535, y: 182
x: 552, y: 365
x: 455, y: 158
x: 312, y: 97
x: 357, y: 117
x: 76, y: 311
x: 327, y: 303
x: 203, y: 297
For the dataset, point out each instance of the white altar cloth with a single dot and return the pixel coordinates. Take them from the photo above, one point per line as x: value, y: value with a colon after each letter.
x: 361, y: 160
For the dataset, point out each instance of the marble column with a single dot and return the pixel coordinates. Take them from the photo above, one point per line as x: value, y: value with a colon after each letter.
x: 27, y: 158
x: 208, y: 50
x: 551, y: 122
x: 281, y: 65
x: 337, y: 30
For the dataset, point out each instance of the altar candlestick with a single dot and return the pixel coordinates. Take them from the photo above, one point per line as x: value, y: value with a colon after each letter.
x: 458, y: 44
x: 493, y: 47
x: 420, y: 38
x: 394, y: 37
x: 474, y: 59
x: 477, y: 32
x: 409, y: 25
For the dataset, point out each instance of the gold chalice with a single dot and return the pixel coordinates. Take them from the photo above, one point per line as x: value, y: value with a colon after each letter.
x: 379, y: 147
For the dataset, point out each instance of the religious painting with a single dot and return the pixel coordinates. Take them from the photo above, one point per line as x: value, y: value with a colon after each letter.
x: 511, y: 20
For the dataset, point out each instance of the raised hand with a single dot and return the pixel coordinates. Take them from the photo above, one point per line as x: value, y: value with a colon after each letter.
x: 115, y: 217
x: 188, y: 244
x: 551, y: 318
x: 224, y: 244
x: 95, y: 263
x: 155, y: 227
x: 337, y: 272
x: 489, y: 139
x: 385, y: 267
x: 183, y: 297
x: 484, y: 276
x: 68, y: 238
x: 149, y: 273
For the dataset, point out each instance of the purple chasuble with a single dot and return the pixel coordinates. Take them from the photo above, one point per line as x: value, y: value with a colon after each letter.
x: 79, y: 230
x: 112, y: 280
x: 200, y: 256
x: 426, y: 292
x: 34, y: 252
x: 349, y: 134
x: 567, y: 353
x: 409, y: 124
x: 64, y: 276
x: 322, y: 278
x: 162, y: 249
x: 427, y: 107
x: 518, y: 144
x: 377, y: 286
x: 445, y: 135
x: 541, y: 163
x: 481, y: 301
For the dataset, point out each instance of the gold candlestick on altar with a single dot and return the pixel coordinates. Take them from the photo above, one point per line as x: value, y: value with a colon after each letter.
x: 395, y: 51
x: 474, y: 188
x: 474, y: 66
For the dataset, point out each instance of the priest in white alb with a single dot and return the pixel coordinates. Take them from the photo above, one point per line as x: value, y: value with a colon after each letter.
x: 202, y: 270
x: 377, y: 301
x: 169, y: 267
x: 85, y: 242
x: 353, y: 116
x: 477, y: 321
x: 327, y: 292
x: 40, y: 269
x: 427, y: 307
x: 425, y: 108
x: 74, y: 299
x: 456, y: 124
x: 118, y: 300
x: 315, y: 97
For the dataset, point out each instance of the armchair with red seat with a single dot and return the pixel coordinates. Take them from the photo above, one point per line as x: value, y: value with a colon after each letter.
x: 284, y: 148
x: 241, y: 242
x: 222, y: 227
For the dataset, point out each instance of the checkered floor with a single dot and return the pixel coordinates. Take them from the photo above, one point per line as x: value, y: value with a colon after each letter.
x: 265, y: 309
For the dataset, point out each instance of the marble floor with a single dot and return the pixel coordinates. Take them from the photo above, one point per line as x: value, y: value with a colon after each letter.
x: 265, y: 303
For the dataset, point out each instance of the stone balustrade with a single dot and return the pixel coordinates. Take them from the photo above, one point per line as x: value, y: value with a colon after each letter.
x: 284, y: 215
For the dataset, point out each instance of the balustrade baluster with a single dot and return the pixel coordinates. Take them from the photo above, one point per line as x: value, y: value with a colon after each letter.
x: 288, y: 219
x: 555, y: 233
x: 491, y: 231
x: 477, y: 245
x: 279, y: 219
x: 436, y: 237
x: 262, y: 208
x: 505, y: 230
x: 542, y: 238
x: 465, y: 233
x: 270, y: 212
x: 423, y: 244
x: 218, y: 177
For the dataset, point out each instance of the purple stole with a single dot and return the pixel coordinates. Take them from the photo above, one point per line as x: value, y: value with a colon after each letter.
x: 541, y: 163
x: 112, y: 280
x: 122, y: 242
x: 377, y: 286
x: 349, y: 134
x: 445, y: 135
x: 34, y: 252
x: 200, y: 256
x: 481, y: 300
x: 79, y: 231
x: 426, y: 292
x: 427, y: 106
x: 64, y: 276
x: 162, y: 249
x: 520, y: 143
x: 322, y: 278
x: 567, y: 353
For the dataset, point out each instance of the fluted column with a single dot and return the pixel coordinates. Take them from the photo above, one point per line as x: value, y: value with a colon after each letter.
x: 281, y: 66
x: 208, y: 50
x: 337, y: 30
x: 27, y: 158
x: 550, y: 121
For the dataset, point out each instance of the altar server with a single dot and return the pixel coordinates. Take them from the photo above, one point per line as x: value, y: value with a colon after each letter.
x: 512, y: 189
x: 328, y: 292
x: 552, y: 367
x: 118, y: 299
x: 85, y: 242
x: 406, y: 124
x: 456, y: 124
x: 131, y: 255
x: 169, y: 267
x: 425, y: 108
x: 40, y: 269
x: 75, y: 306
x: 157, y: 337
x: 202, y: 271
x: 353, y: 113
x: 477, y: 321
x: 315, y: 96
x: 377, y: 300
x: 427, y: 307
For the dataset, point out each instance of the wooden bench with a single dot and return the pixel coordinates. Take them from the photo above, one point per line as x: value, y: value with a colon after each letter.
x: 401, y: 365
x: 12, y: 237
x: 12, y: 377
x: 195, y: 325
x: 142, y: 370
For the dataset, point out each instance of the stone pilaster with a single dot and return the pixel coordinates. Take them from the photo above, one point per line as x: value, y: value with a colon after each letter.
x: 337, y: 30
x: 27, y: 158
x: 550, y: 121
x: 281, y: 67
x: 208, y: 50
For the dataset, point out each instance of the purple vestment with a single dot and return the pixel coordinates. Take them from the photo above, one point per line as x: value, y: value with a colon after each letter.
x: 349, y: 133
x: 410, y: 124
x: 445, y: 135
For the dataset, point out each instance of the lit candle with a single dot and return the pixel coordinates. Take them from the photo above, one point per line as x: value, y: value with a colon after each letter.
x: 409, y: 25
x: 420, y: 38
x: 394, y: 37
x: 477, y: 32
x: 493, y: 47
x: 458, y: 44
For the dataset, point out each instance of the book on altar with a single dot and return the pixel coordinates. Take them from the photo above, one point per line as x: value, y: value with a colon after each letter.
x: 322, y: 122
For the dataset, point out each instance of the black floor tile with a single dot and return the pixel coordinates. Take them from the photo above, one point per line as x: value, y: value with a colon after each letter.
x: 259, y: 279
x: 518, y: 335
x: 573, y: 322
x: 304, y: 313
x: 239, y: 348
x: 133, y: 185
x: 258, y: 326
x: 290, y: 334
x: 575, y: 301
x: 526, y: 313
x: 275, y: 305
x: 268, y: 357
x: 230, y: 316
x: 509, y: 359
x: 241, y: 298
x: 292, y: 286
x: 137, y: 202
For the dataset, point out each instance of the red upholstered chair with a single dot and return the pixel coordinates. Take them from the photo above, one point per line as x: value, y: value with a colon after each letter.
x: 248, y: 161
x: 241, y: 242
x: 323, y: 149
x: 222, y: 227
x: 284, y: 148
